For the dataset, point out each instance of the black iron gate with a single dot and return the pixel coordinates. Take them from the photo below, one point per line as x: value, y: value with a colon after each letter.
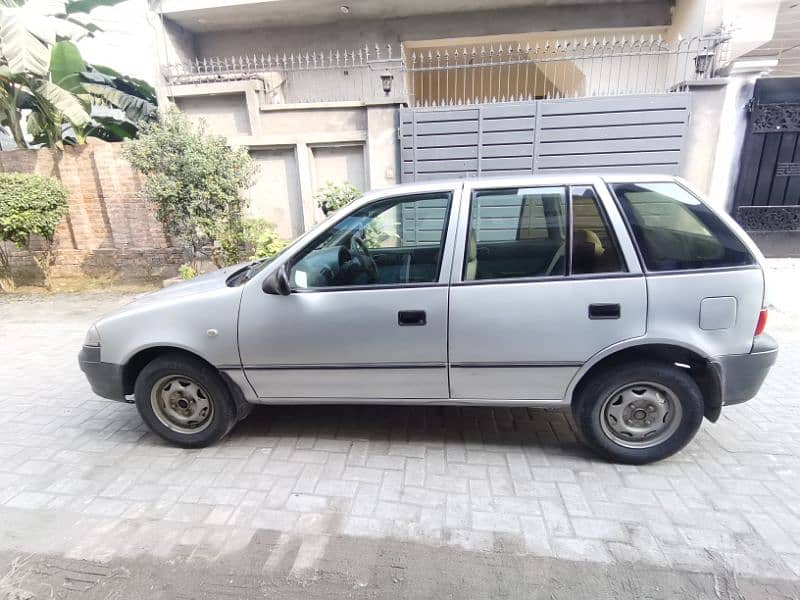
x: 767, y: 198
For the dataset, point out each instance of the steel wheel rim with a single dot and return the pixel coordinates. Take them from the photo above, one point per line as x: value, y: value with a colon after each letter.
x: 642, y: 414
x: 181, y: 404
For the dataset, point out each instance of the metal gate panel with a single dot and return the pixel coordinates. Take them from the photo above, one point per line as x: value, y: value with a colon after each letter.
x: 766, y: 201
x: 767, y: 196
x: 642, y: 133
x: 438, y: 143
x: 638, y: 133
x: 483, y: 139
x: 506, y: 138
x: 423, y: 222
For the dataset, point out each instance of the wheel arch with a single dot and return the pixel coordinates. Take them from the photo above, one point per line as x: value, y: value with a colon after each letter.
x: 144, y: 356
x: 698, y: 365
x: 138, y: 360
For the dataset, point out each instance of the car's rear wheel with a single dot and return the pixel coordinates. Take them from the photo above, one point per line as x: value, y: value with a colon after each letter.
x: 639, y: 413
x: 184, y: 401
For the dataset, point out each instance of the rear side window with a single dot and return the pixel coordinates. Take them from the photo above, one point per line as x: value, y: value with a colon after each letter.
x: 675, y: 231
x: 518, y: 232
x: 594, y: 249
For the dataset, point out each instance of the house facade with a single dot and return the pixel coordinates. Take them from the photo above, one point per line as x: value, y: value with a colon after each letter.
x: 375, y: 92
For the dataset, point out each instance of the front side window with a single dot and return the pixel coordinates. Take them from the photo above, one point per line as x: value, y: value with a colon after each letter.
x: 519, y: 232
x: 675, y: 231
x: 392, y: 241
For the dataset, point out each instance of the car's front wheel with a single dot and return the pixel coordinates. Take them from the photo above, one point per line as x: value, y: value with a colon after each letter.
x: 639, y: 413
x: 184, y: 401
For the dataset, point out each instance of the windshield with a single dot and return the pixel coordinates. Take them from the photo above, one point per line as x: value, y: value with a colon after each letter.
x: 257, y: 266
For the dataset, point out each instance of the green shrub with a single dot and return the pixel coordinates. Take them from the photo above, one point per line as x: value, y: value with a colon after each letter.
x: 30, y: 206
x: 253, y: 239
x: 195, y: 180
x: 331, y: 197
x: 263, y: 239
x: 186, y: 271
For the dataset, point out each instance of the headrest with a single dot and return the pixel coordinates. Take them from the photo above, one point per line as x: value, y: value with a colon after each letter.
x: 587, y: 236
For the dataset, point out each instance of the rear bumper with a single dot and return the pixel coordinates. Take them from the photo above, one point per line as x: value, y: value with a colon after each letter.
x: 106, y: 379
x: 741, y: 375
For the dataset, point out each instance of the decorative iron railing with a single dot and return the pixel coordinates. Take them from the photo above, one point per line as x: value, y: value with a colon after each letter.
x: 559, y: 69
x: 461, y: 75
x: 301, y: 77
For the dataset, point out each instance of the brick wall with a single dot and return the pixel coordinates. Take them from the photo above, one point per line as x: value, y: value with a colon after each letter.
x: 109, y: 229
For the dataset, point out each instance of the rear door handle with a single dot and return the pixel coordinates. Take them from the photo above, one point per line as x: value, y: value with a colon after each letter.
x: 604, y: 311
x: 411, y: 317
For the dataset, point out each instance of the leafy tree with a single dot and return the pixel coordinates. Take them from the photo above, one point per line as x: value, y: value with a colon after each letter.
x: 41, y: 71
x: 195, y: 181
x: 30, y: 206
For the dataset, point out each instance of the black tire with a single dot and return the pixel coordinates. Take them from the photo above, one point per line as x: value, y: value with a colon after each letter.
x: 213, y: 391
x: 588, y: 408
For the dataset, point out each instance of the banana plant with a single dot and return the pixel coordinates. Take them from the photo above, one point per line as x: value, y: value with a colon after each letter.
x: 42, y: 74
x: 119, y: 103
x: 116, y: 103
x: 49, y: 106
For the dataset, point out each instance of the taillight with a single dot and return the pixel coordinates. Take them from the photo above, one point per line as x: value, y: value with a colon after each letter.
x: 762, y: 322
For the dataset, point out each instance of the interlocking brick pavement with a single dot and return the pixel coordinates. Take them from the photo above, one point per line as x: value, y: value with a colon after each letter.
x: 82, y: 477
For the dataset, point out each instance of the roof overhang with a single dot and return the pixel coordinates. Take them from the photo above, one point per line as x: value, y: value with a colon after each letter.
x: 224, y: 15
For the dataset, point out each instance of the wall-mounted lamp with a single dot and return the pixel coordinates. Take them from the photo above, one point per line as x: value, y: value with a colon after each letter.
x: 702, y: 62
x: 386, y: 82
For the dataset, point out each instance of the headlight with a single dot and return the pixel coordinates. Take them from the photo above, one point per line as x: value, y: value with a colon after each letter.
x: 92, y: 337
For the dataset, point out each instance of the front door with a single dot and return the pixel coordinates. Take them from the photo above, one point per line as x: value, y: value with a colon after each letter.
x: 367, y: 316
x: 540, y: 285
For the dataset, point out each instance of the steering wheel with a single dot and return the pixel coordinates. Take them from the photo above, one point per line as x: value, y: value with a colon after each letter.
x: 359, y: 250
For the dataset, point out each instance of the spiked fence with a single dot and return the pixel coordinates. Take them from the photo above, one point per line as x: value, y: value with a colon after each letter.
x: 568, y: 68
x: 311, y: 76
x: 461, y: 75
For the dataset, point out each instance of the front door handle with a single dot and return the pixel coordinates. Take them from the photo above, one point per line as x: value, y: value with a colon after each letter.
x: 411, y: 317
x: 604, y: 311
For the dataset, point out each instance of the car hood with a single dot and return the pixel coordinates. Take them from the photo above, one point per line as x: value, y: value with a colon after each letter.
x: 201, y: 284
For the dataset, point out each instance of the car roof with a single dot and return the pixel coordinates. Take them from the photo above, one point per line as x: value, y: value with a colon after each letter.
x: 565, y: 176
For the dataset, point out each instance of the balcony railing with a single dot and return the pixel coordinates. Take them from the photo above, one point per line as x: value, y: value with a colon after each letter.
x: 559, y: 69
x: 302, y: 77
x: 461, y: 75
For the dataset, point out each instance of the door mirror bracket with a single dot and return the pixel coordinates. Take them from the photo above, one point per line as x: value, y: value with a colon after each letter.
x: 277, y: 283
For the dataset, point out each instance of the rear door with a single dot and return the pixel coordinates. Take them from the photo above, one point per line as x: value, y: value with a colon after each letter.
x: 544, y: 276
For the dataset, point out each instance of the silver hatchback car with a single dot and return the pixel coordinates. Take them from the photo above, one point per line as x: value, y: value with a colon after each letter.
x: 628, y: 299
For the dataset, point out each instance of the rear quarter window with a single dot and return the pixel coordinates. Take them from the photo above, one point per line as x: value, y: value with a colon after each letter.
x: 676, y: 231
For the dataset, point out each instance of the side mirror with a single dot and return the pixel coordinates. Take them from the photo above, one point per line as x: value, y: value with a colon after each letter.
x: 277, y: 283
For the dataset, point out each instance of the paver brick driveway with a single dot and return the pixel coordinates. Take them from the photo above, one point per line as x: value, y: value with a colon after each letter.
x: 81, y: 476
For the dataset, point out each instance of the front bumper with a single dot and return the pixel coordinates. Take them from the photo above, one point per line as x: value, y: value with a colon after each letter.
x: 741, y: 375
x: 106, y: 379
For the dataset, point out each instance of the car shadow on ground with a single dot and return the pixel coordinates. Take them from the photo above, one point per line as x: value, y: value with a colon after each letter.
x: 545, y: 431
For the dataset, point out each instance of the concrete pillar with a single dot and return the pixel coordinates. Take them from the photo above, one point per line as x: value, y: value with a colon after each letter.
x: 172, y: 45
x: 253, y: 108
x: 382, y: 146
x: 704, y: 129
x: 303, y: 154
